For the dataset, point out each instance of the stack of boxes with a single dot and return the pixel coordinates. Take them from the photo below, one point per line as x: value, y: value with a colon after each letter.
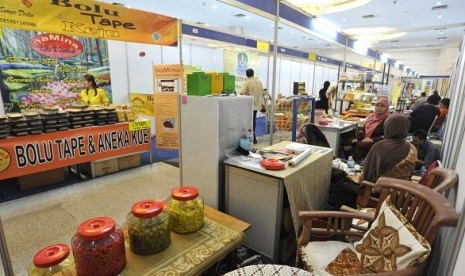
x: 4, y: 127
x: 203, y: 84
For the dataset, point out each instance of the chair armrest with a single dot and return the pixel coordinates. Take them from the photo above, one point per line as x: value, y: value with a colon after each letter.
x: 336, y: 223
x: 369, y: 186
x: 352, y: 210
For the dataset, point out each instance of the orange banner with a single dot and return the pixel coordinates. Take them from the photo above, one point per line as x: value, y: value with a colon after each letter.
x: 47, y: 151
x: 89, y: 19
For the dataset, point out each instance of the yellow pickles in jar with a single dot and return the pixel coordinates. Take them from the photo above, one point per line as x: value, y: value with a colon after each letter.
x: 186, y: 210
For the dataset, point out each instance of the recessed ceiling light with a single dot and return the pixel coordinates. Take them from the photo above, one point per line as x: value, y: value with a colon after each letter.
x: 394, y: 45
x: 344, y: 19
x: 438, y: 3
x: 214, y: 7
x: 439, y: 15
x: 418, y: 44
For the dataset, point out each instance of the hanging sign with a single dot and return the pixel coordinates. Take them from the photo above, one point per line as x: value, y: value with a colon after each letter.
x: 89, y: 19
x: 166, y: 120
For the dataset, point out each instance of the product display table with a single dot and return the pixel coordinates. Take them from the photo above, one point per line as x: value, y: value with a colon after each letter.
x: 39, y: 220
x: 333, y: 133
x: 256, y: 195
x: 191, y: 254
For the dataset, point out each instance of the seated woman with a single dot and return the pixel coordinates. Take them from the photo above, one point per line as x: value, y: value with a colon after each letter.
x: 371, y: 132
x: 393, y: 157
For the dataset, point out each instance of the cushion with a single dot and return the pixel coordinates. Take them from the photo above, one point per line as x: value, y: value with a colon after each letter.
x: 318, y: 255
x: 391, y: 243
x: 346, y: 263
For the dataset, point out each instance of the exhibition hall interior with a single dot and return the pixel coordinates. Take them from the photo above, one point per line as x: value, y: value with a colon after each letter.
x: 232, y: 137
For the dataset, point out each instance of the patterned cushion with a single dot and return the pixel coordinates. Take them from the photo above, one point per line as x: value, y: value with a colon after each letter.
x: 318, y: 256
x: 346, y: 263
x: 391, y: 243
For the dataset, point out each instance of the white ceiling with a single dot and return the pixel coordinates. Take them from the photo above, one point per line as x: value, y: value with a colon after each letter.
x: 420, y: 49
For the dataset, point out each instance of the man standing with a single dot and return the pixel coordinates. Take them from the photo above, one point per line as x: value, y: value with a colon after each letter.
x: 253, y: 87
x: 427, y: 151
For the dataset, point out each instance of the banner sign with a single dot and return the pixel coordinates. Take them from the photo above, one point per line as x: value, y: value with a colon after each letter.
x: 166, y: 120
x: 237, y: 62
x: 90, y: 19
x: 142, y: 104
x: 31, y: 154
x: 45, y: 69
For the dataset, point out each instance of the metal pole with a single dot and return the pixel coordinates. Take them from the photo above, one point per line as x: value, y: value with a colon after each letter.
x: 4, y: 252
x: 275, y: 55
x: 181, y: 94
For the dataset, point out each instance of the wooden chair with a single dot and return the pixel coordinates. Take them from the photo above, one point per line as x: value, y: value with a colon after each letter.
x: 425, y: 209
x: 439, y: 179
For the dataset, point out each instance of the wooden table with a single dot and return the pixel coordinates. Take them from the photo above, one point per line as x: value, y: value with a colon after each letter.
x: 190, y: 254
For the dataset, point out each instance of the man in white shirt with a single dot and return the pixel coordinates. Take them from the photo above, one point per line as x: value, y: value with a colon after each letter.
x: 253, y: 87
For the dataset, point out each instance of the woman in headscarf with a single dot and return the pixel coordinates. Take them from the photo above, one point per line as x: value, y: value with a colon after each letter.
x: 394, y: 156
x: 372, y: 131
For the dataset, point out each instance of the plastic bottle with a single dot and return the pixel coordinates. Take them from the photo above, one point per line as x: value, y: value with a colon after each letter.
x: 250, y: 136
x: 350, y: 163
x: 336, y: 118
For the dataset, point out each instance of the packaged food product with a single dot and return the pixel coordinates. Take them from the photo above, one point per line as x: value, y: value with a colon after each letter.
x: 185, y: 209
x: 51, y: 260
x: 98, y: 248
x: 148, y: 228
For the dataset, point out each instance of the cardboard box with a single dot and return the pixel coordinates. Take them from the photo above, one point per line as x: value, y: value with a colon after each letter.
x: 101, y: 167
x: 129, y: 161
x: 40, y: 179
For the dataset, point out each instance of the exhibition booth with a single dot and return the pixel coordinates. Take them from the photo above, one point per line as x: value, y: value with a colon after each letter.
x: 145, y: 62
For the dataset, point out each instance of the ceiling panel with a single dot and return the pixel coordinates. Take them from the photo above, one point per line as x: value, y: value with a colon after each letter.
x: 413, y: 16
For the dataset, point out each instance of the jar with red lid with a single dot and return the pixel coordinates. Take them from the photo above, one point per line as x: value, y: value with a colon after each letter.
x: 185, y: 208
x: 51, y: 260
x: 148, y: 227
x: 98, y: 248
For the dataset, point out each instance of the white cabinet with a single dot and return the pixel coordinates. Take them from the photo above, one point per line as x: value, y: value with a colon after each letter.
x: 211, y: 126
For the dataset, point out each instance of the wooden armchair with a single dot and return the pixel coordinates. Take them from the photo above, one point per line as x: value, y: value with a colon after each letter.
x: 425, y: 209
x: 438, y: 179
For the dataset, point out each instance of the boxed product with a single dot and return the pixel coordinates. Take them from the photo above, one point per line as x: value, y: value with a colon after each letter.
x: 40, y: 179
x: 129, y: 161
x: 229, y: 83
x: 199, y: 84
x: 217, y: 83
x: 102, y: 167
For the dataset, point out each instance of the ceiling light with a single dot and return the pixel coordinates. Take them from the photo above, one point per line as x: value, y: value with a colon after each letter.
x: 418, y: 44
x: 344, y: 19
x: 438, y: 3
x: 214, y: 7
x: 439, y: 15
x: 318, y: 7
x: 394, y: 45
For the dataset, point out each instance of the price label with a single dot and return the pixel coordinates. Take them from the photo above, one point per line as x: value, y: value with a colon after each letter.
x: 139, y: 125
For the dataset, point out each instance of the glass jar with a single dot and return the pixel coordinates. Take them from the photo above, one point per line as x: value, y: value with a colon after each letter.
x: 98, y: 248
x: 148, y: 228
x: 51, y: 260
x: 185, y: 209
